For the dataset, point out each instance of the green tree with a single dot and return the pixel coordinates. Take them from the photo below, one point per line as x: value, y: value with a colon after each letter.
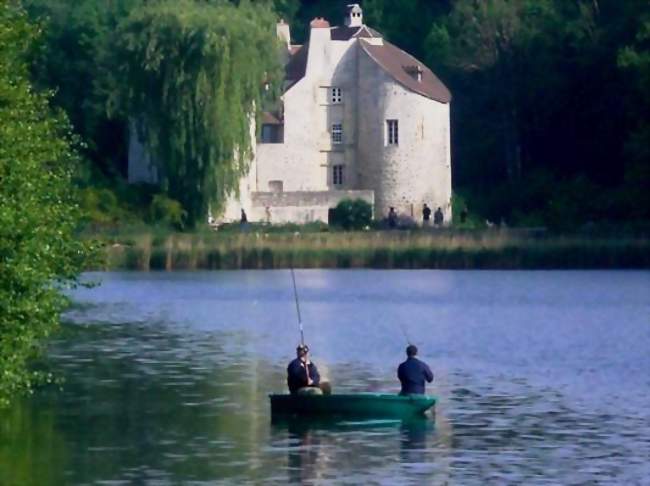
x: 39, y: 254
x: 193, y: 75
x: 73, y: 61
x: 352, y: 214
x: 635, y: 58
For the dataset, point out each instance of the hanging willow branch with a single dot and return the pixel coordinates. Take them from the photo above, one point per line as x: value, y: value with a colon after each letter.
x: 192, y: 74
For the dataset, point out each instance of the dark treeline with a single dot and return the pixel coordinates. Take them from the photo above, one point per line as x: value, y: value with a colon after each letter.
x: 549, y: 116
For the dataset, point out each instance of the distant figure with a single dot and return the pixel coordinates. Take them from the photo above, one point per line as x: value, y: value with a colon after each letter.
x: 243, y: 219
x: 302, y: 374
x: 426, y: 215
x: 267, y: 210
x: 463, y: 215
x: 438, y: 217
x: 412, y: 373
x: 392, y: 218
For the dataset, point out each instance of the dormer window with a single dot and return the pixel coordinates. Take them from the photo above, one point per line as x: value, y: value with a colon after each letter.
x: 415, y: 72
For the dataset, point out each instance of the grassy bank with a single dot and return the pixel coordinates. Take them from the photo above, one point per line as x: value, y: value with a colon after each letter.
x: 450, y: 249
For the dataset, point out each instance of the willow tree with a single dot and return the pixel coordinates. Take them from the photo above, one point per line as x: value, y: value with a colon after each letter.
x: 193, y: 75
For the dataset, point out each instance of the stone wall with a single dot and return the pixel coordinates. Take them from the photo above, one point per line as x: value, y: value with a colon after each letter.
x: 418, y: 169
x: 300, y: 206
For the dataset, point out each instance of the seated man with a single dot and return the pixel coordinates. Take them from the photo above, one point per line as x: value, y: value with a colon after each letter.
x: 413, y: 372
x: 302, y: 374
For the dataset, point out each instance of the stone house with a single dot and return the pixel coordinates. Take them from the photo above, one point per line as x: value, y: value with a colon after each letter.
x: 359, y: 118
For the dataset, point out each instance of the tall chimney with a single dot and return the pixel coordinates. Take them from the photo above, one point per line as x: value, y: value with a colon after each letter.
x: 354, y: 15
x: 283, y: 33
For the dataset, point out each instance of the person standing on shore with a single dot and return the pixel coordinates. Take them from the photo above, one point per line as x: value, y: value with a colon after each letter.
x: 438, y: 217
x: 392, y: 218
x: 426, y: 215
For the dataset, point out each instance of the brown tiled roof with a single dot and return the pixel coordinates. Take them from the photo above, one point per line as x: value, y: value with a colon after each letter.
x: 269, y: 118
x: 295, y: 68
x: 343, y: 33
x: 319, y: 23
x: 396, y: 62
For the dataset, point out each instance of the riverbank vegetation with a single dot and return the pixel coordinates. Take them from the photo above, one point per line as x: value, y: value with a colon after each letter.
x: 40, y: 253
x: 315, y: 246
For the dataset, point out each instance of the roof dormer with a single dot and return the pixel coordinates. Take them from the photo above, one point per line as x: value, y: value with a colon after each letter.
x: 354, y: 15
x: 415, y: 71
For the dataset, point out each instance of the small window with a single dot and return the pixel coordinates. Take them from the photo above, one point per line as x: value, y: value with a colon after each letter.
x: 337, y: 133
x: 272, y: 133
x: 392, y: 132
x: 337, y: 175
x: 276, y: 186
x: 336, y: 96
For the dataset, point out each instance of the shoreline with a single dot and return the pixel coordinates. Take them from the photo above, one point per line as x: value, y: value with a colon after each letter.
x: 443, y: 249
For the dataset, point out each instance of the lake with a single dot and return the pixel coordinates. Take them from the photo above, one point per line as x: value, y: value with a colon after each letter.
x: 542, y: 377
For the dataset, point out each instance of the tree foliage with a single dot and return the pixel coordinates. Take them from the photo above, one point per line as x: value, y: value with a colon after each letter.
x: 39, y: 253
x: 192, y: 76
x: 72, y: 59
x: 352, y: 214
x: 550, y: 96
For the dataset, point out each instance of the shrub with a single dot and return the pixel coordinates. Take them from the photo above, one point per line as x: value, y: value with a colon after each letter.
x: 352, y: 214
x: 167, y: 211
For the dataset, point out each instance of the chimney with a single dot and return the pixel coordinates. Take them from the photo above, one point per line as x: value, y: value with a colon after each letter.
x: 353, y: 15
x: 319, y: 37
x: 319, y: 23
x: 283, y: 33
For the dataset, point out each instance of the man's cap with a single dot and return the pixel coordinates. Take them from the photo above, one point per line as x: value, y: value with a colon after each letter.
x: 302, y: 348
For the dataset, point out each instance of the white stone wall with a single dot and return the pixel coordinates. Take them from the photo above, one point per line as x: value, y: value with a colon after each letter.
x: 417, y: 170
x: 304, y: 161
x: 301, y: 207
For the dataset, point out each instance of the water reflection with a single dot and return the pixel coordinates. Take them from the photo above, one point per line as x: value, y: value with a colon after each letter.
x: 168, y: 376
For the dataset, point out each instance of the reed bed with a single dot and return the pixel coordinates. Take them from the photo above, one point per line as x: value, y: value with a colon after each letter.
x: 445, y: 249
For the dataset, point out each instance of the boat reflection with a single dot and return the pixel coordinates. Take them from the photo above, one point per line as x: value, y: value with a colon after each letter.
x: 321, y: 448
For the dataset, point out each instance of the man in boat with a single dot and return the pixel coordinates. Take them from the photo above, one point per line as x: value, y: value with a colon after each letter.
x: 302, y: 374
x: 412, y: 373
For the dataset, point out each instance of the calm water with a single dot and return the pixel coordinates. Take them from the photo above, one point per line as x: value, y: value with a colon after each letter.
x: 543, y: 378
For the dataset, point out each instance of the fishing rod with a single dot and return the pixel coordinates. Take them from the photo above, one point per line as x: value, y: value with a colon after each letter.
x: 406, y: 336
x: 295, y: 294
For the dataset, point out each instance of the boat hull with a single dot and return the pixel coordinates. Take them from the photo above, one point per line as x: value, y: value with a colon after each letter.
x: 367, y: 405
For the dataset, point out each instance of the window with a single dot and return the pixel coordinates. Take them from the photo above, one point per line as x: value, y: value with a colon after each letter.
x: 276, y: 186
x: 392, y: 132
x: 336, y: 96
x: 272, y: 133
x: 337, y: 133
x: 337, y: 175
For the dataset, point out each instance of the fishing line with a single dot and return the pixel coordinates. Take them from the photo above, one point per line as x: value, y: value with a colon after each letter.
x: 406, y: 336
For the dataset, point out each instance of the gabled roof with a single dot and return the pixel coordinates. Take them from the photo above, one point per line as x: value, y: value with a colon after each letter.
x: 396, y: 62
x: 297, y: 65
x: 343, y: 33
x: 270, y: 118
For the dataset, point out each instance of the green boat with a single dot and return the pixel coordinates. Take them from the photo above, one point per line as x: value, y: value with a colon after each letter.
x: 365, y: 405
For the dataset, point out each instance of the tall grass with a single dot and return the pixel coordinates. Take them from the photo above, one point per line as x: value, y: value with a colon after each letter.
x: 485, y: 249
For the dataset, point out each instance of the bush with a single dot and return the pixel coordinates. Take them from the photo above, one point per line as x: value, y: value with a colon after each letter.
x: 352, y: 214
x: 167, y: 211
